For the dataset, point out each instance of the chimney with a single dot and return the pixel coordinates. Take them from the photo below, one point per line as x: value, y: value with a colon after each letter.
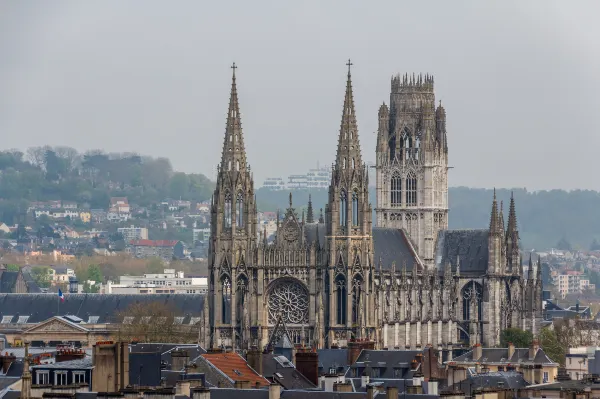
x: 342, y: 386
x: 274, y: 391
x: 535, y: 345
x: 511, y: 350
x: 391, y: 393
x: 7, y: 361
x: 477, y: 352
x: 64, y: 355
x: 179, y: 359
x: 200, y: 393
x: 365, y: 376
x: 307, y: 363
x: 254, y: 359
x: 432, y: 387
x: 370, y: 391
x: 182, y: 387
x: 241, y: 384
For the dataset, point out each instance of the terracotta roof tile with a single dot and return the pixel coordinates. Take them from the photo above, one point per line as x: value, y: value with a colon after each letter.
x: 235, y: 367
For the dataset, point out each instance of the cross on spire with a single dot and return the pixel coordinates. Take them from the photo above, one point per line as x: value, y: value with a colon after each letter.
x: 234, y: 67
x: 349, y: 64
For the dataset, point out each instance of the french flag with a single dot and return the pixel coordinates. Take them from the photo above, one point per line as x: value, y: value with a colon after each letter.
x: 61, y: 295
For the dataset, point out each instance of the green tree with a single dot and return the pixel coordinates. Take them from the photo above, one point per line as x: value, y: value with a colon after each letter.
x: 519, y: 338
x: 12, y: 268
x: 564, y: 245
x: 551, y: 345
x: 90, y: 288
x: 94, y: 273
x: 42, y: 275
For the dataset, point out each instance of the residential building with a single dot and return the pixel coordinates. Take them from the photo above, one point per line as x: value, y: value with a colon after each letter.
x: 200, y: 234
x: 164, y: 249
x: 133, y: 233
x: 61, y: 274
x: 119, y: 209
x: 169, y: 282
x: 532, y: 362
x: 573, y: 282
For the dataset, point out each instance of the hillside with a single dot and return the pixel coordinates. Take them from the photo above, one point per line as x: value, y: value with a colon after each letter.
x: 544, y: 217
x: 61, y: 173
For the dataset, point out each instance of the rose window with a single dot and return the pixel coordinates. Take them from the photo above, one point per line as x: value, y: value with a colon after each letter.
x: 290, y: 299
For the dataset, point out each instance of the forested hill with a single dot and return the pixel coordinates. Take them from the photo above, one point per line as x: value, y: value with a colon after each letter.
x: 62, y: 173
x: 544, y: 217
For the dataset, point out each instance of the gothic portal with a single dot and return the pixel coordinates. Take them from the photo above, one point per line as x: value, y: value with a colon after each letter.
x: 405, y: 283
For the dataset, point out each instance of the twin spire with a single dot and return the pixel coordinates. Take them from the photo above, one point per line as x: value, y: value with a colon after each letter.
x: 234, y: 152
x: 233, y: 157
x: 497, y: 220
x: 348, y: 152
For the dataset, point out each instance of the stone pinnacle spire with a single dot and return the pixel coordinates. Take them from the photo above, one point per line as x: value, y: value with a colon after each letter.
x: 511, y: 230
x: 321, y: 218
x: 494, y: 216
x: 234, y: 152
x: 348, y: 152
x: 310, y: 218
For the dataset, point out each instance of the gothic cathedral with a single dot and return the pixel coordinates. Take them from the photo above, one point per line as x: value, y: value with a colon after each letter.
x: 405, y: 283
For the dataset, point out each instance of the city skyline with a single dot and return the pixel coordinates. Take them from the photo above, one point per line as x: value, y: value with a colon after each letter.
x: 154, y: 80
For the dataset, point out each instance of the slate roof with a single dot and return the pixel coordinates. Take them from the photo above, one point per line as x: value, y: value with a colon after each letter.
x: 504, y: 379
x: 77, y: 364
x: 470, y: 245
x: 393, y: 245
x: 228, y: 393
x: 313, y: 231
x: 8, y: 281
x: 386, y: 361
x: 333, y: 358
x: 500, y: 355
x: 41, y: 307
x: 289, y: 377
x: 235, y: 367
x: 144, y: 368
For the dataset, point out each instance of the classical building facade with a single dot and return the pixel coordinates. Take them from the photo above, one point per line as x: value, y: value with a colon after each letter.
x: 405, y: 283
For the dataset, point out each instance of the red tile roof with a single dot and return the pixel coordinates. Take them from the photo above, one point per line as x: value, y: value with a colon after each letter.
x: 235, y: 367
x: 153, y: 243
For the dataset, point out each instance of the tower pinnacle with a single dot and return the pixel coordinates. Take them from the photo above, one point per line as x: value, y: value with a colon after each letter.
x: 310, y: 218
x: 234, y: 152
x: 348, y: 152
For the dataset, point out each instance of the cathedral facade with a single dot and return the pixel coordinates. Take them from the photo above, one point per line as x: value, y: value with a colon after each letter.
x: 405, y: 283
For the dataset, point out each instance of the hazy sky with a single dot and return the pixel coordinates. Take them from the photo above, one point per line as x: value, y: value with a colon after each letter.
x: 519, y: 80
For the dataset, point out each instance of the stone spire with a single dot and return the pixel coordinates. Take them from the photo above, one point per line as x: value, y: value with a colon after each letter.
x: 26, y: 376
x: 348, y: 152
x: 321, y: 218
x: 501, y: 215
x: 234, y: 152
x: 494, y: 216
x: 310, y: 218
x: 511, y: 230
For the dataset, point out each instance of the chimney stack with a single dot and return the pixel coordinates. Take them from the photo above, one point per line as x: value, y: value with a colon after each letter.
x: 511, y: 350
x: 274, y: 391
x: 535, y: 345
x: 477, y: 352
x: 307, y: 363
x: 392, y: 393
x: 179, y: 359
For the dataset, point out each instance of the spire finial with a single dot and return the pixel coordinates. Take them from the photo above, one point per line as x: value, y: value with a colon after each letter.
x: 234, y: 67
x: 290, y: 199
x: 349, y: 64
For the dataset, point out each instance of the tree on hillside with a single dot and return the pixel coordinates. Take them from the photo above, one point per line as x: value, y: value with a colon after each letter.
x: 595, y: 246
x: 153, y: 322
x: 519, y: 338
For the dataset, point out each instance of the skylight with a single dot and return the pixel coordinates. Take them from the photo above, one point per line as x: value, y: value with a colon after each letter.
x: 195, y: 320
x: 6, y: 319
x: 178, y: 320
x: 93, y: 319
x: 22, y: 319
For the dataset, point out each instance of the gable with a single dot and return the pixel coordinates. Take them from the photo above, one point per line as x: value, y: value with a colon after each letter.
x: 56, y: 324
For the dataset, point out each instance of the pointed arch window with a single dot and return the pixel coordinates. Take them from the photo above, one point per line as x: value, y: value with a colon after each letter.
x: 354, y: 208
x: 396, y: 190
x: 239, y: 210
x: 343, y: 208
x: 411, y: 190
x: 226, y: 300
x: 341, y: 299
x: 227, y: 211
x: 356, y: 296
x: 344, y: 163
x: 241, y: 290
x: 353, y: 163
x: 229, y: 165
x: 237, y: 165
x: 405, y: 144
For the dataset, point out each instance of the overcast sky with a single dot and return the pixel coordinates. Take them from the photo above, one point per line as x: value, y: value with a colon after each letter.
x: 519, y: 80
